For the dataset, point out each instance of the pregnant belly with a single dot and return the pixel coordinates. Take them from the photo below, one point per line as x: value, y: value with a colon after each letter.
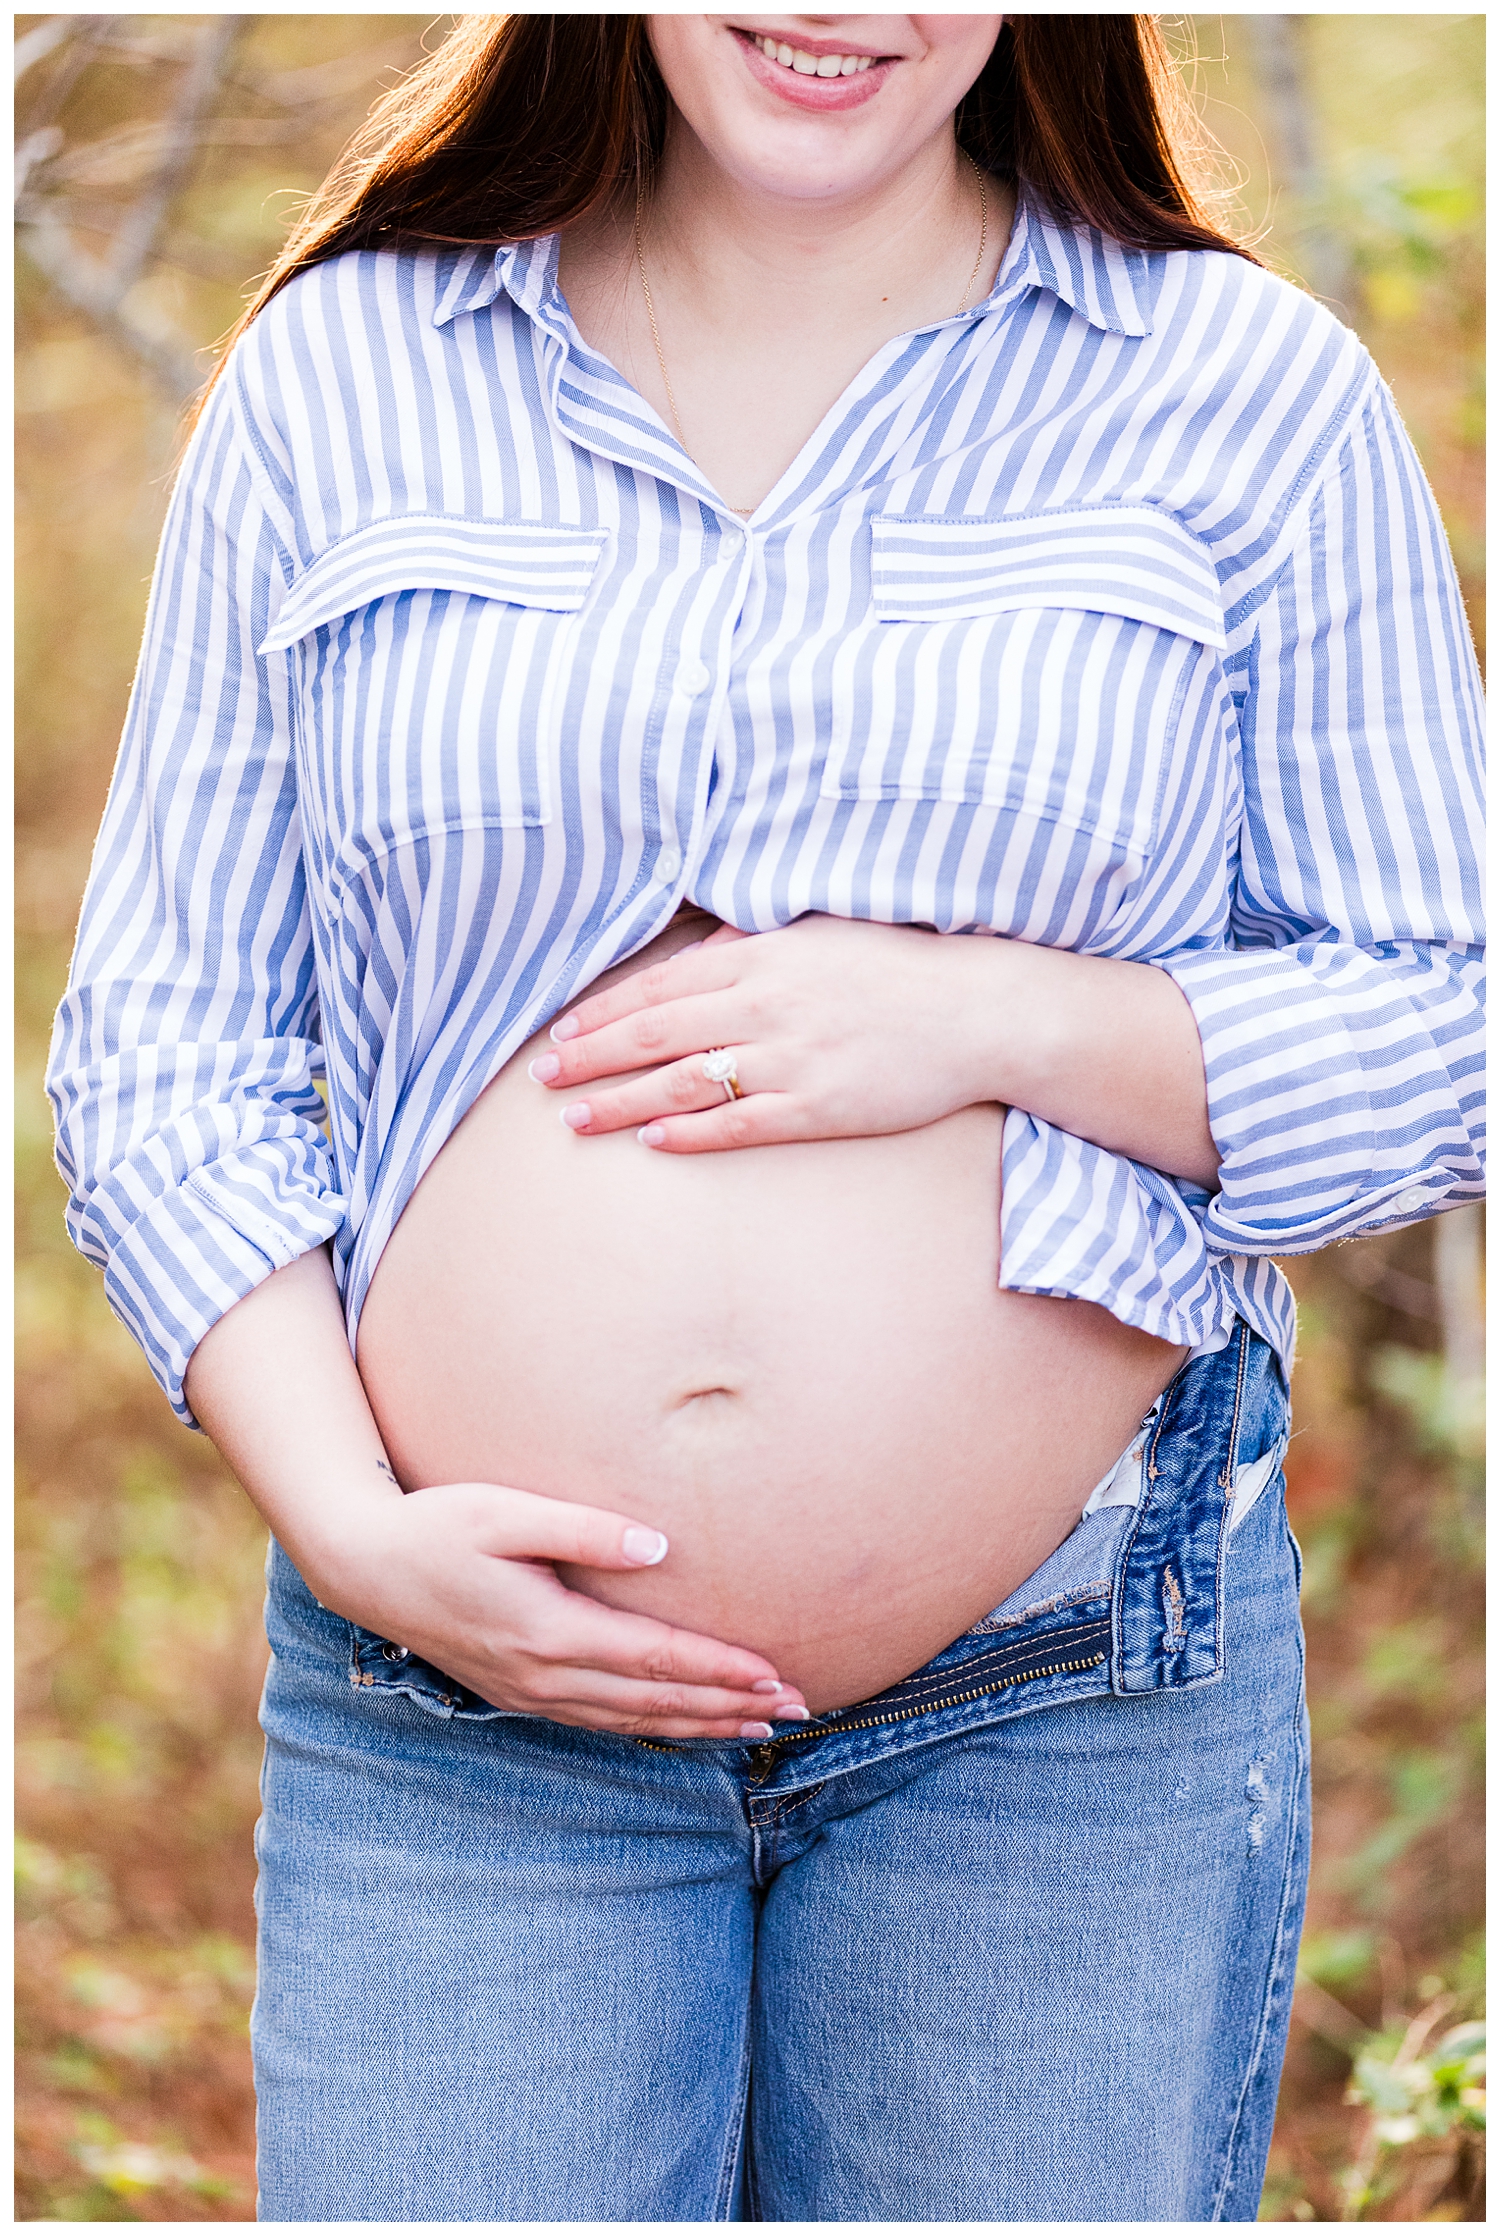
x: 793, y: 1360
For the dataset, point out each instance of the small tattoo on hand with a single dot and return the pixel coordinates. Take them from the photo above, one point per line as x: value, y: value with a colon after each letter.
x: 384, y: 1467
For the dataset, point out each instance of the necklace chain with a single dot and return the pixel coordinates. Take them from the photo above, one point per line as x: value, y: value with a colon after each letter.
x: 743, y: 512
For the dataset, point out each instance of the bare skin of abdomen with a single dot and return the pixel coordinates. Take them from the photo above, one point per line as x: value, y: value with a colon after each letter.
x: 794, y: 1360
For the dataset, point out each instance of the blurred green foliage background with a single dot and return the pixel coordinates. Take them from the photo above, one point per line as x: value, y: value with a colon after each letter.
x: 162, y: 156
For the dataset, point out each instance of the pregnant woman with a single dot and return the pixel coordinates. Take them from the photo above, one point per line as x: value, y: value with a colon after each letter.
x: 849, y: 740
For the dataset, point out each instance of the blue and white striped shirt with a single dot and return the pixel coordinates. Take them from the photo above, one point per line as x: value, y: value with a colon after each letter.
x: 1113, y: 613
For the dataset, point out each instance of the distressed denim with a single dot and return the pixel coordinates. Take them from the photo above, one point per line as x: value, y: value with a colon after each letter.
x: 1014, y: 1942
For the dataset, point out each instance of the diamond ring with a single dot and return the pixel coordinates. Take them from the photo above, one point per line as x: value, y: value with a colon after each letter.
x: 718, y: 1065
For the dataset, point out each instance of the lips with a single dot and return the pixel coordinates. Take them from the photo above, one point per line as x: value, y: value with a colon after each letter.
x: 820, y: 87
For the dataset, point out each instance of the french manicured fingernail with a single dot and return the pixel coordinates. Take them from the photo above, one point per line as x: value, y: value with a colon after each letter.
x: 792, y: 1712
x: 768, y: 1685
x: 566, y: 1028
x: 644, y: 1546
x: 544, y: 1069
x: 576, y: 1116
x: 755, y: 1731
x: 685, y: 949
x: 652, y: 1136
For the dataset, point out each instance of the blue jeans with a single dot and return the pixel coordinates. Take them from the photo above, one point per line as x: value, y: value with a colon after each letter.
x: 1014, y: 1941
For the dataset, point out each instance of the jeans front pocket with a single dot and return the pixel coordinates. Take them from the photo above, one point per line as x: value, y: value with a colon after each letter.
x: 381, y: 1665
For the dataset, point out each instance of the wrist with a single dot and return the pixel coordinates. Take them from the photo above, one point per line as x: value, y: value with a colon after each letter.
x: 331, y: 1535
x: 1105, y: 1048
x: 1014, y: 1023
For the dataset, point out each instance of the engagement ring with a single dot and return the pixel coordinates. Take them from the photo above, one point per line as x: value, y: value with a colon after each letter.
x: 718, y: 1065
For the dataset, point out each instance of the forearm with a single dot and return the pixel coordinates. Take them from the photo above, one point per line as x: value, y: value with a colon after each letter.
x: 1107, y: 1050
x: 275, y: 1386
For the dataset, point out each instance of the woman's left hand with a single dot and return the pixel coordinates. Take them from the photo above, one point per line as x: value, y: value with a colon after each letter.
x: 836, y: 1027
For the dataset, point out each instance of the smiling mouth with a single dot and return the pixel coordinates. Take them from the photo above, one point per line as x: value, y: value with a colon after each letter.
x: 805, y: 65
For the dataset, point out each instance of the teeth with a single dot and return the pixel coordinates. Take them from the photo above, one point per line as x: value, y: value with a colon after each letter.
x: 812, y: 65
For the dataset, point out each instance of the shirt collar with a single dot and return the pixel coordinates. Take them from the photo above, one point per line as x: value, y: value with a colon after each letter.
x: 1112, y: 287
x: 525, y: 270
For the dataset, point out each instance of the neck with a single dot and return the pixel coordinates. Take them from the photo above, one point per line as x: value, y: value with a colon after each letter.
x: 741, y: 252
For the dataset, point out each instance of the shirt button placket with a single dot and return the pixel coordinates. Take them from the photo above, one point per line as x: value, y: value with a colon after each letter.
x: 692, y: 679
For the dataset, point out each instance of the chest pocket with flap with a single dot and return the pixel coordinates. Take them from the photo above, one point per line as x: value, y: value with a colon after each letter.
x: 434, y: 648
x: 1031, y: 664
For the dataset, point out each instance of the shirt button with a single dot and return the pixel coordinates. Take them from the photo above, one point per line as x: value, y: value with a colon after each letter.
x: 693, y: 678
x: 668, y: 865
x: 1411, y: 1199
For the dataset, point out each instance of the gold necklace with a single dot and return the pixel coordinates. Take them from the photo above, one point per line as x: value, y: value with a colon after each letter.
x: 743, y: 512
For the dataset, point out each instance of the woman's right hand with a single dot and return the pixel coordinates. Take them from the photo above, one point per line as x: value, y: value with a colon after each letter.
x: 462, y: 1575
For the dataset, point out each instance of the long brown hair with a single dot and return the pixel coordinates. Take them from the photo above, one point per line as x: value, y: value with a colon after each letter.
x: 520, y: 125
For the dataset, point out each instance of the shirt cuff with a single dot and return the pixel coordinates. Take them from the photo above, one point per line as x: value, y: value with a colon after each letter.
x: 194, y: 1252
x: 1303, y: 1158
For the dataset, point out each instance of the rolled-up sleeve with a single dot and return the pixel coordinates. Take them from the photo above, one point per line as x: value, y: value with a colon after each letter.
x: 1342, y: 1026
x: 185, y: 1056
